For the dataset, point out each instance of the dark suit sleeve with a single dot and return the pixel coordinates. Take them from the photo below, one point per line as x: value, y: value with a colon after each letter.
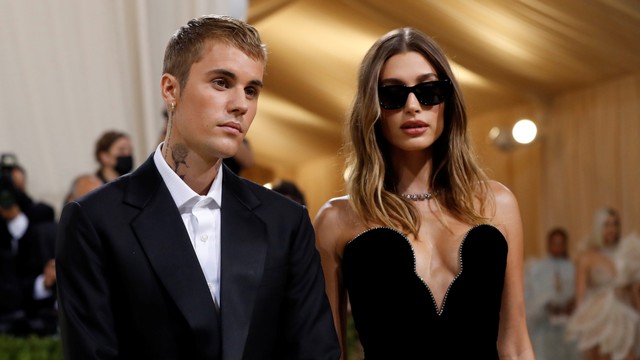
x: 86, y: 319
x: 309, y: 329
x: 36, y: 249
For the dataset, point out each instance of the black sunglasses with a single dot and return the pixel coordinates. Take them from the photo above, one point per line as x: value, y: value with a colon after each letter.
x: 429, y: 93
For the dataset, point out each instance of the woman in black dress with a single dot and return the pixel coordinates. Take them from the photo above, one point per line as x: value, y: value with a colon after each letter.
x: 427, y: 250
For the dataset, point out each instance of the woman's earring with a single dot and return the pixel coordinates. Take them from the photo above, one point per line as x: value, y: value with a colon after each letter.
x: 173, y: 106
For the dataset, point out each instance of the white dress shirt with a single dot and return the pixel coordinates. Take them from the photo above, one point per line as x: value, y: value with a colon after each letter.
x: 201, y: 218
x: 17, y: 228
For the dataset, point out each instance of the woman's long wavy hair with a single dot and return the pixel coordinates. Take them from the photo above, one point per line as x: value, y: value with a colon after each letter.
x: 456, y: 178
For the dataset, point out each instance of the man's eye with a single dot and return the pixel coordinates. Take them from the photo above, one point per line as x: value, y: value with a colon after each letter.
x: 252, y: 92
x: 220, y: 82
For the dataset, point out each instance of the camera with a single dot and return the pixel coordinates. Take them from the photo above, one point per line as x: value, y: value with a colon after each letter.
x: 8, y: 191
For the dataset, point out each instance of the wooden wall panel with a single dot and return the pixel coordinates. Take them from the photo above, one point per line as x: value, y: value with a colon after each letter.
x: 519, y: 168
x: 592, y: 156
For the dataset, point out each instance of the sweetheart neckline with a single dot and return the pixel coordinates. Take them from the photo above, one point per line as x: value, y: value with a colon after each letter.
x: 439, y: 310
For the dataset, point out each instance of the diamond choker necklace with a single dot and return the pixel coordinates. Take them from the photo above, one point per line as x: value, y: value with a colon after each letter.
x: 417, y: 197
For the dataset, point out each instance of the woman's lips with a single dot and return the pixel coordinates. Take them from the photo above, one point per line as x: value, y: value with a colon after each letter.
x: 414, y: 127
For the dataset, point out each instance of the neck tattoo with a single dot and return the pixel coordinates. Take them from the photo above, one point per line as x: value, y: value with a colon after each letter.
x: 417, y: 197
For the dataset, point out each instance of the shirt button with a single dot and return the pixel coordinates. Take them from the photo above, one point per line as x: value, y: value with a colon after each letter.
x: 204, y: 238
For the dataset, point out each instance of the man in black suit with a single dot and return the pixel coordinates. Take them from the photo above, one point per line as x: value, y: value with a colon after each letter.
x: 182, y: 259
x: 27, y: 275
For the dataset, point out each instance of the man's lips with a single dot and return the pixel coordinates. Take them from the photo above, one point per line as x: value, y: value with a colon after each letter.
x: 233, y: 125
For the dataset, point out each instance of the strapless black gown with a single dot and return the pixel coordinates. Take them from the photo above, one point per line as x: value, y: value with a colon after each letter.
x: 395, y: 312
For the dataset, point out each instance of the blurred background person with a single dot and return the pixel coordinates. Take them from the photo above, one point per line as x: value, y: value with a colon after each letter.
x: 12, y: 227
x: 36, y: 266
x: 550, y: 298
x: 14, y: 181
x: 41, y: 307
x: 604, y: 322
x: 242, y: 160
x: 290, y: 190
x: 113, y: 151
x: 82, y: 185
x: 27, y: 243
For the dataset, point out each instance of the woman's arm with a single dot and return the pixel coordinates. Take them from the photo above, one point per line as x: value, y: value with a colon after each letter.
x: 513, y: 337
x: 327, y: 228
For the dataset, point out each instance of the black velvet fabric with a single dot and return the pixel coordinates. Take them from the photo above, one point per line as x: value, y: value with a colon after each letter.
x: 393, y: 309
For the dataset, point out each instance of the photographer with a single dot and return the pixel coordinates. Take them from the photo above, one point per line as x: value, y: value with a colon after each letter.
x: 27, y: 243
x: 13, y: 183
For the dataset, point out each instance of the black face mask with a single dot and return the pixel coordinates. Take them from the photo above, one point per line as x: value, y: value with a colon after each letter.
x: 124, y: 164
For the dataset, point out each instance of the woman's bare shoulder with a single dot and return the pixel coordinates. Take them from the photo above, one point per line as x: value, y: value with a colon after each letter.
x: 502, y: 193
x: 337, y: 222
x: 500, y: 201
x: 333, y: 209
x: 502, y: 210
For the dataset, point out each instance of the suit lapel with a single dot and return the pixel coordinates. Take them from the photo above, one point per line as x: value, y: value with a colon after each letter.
x: 162, y: 235
x: 243, y: 256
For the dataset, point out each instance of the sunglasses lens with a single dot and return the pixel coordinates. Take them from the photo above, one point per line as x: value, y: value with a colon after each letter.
x: 430, y: 93
x: 393, y: 96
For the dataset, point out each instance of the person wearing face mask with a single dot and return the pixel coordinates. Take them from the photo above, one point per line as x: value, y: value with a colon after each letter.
x: 114, y: 154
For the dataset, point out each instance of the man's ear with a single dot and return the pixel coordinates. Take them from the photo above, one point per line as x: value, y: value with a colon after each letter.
x: 170, y: 89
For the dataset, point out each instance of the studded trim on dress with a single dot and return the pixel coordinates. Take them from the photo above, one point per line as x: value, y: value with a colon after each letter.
x: 415, y: 271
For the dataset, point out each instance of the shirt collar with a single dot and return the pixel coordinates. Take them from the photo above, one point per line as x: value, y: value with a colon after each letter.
x: 18, y: 225
x: 181, y: 193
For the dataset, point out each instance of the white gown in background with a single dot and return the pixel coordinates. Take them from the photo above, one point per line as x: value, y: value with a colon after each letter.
x: 549, y: 282
x: 605, y: 317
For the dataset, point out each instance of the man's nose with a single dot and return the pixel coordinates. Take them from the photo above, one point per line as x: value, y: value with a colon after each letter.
x: 238, y: 104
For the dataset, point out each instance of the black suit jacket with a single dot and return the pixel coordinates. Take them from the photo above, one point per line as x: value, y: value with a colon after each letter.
x: 130, y: 285
x: 19, y: 270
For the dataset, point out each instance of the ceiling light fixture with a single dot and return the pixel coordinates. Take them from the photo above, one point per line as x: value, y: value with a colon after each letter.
x: 523, y: 132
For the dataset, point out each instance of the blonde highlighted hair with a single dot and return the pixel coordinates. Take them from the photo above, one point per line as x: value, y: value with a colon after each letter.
x: 456, y: 178
x: 595, y: 240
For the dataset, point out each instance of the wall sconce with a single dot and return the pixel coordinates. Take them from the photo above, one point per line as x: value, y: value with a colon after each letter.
x: 523, y: 132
